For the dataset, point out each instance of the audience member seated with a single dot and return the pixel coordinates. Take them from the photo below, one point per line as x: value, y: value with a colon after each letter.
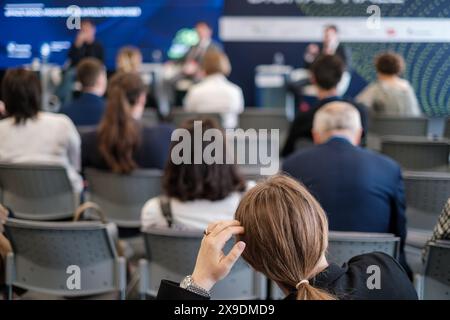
x: 129, y: 60
x: 29, y: 135
x: 442, y: 229
x: 194, y: 195
x: 215, y: 94
x: 122, y: 143
x: 390, y: 94
x: 88, y: 109
x: 282, y: 232
x: 326, y: 73
x: 360, y: 190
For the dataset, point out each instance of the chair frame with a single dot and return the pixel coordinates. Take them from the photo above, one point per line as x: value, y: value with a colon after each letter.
x: 141, y: 173
x: 260, y: 281
x: 42, y: 217
x: 11, y: 276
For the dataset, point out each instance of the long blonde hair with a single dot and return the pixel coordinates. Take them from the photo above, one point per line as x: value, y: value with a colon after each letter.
x: 286, y: 232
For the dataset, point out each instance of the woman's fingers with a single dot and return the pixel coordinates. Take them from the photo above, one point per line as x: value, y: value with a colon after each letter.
x: 222, y: 238
x: 222, y: 225
x: 233, y: 256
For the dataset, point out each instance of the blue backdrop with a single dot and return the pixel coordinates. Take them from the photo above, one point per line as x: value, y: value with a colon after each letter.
x: 153, y: 29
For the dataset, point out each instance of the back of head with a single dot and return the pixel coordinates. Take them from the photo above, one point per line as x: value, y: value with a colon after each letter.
x: 327, y: 71
x: 21, y: 93
x: 286, y: 234
x: 337, y: 116
x: 216, y: 62
x: 190, y: 180
x: 119, y: 133
x: 89, y: 70
x: 129, y: 59
x: 389, y: 63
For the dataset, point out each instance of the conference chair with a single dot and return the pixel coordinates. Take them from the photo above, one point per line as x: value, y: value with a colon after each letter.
x: 37, y: 192
x: 436, y: 277
x: 179, y: 116
x: 171, y: 255
x: 342, y: 246
x: 398, y: 125
x: 426, y: 194
x: 264, y: 118
x: 417, y: 153
x: 65, y: 259
x: 252, y: 153
x: 150, y: 117
x: 121, y: 197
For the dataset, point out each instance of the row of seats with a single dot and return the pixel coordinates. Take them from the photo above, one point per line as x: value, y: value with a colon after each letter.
x: 404, y: 139
x: 33, y: 190
x: 44, y: 252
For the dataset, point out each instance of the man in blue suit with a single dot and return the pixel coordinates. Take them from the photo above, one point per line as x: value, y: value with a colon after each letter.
x: 88, y: 109
x: 360, y: 190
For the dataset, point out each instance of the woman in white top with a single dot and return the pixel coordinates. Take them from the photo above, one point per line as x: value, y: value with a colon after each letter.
x: 195, y: 194
x: 390, y: 94
x: 215, y: 94
x: 28, y: 135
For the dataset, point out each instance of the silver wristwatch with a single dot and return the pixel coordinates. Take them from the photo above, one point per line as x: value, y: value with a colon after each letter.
x: 190, y: 285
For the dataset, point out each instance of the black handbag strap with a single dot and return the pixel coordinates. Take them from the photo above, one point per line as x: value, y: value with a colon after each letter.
x: 166, y: 209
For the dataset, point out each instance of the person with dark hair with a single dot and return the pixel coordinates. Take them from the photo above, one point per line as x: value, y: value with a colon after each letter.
x: 87, y: 110
x: 330, y: 46
x: 85, y: 44
x: 122, y: 143
x: 194, y: 195
x: 29, y: 135
x: 282, y: 231
x: 326, y: 72
x: 390, y: 94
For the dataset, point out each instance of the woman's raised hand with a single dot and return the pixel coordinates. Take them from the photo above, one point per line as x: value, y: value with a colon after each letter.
x: 212, y: 264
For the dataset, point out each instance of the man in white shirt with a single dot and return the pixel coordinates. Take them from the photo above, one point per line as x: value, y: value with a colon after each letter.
x: 215, y: 94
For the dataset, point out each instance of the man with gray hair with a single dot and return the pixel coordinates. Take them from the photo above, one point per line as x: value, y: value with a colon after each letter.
x: 360, y: 190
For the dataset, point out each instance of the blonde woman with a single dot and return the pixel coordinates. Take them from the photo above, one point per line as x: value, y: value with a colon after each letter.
x: 282, y: 232
x: 129, y: 60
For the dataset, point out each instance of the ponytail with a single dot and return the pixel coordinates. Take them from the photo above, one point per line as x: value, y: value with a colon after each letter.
x: 118, y: 133
x: 305, y: 291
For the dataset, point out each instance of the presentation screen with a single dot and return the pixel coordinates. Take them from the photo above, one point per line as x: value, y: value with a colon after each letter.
x: 31, y: 29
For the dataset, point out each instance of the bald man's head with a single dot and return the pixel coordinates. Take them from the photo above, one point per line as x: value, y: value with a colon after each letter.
x: 337, y: 119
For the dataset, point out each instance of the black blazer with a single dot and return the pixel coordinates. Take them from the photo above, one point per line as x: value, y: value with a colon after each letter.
x: 341, y: 51
x: 153, y: 151
x: 348, y: 282
x: 94, y: 50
